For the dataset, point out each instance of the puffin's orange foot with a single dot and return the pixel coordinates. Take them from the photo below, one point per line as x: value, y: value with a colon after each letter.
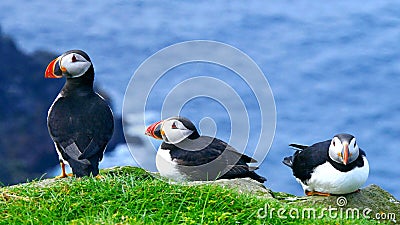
x: 64, y: 175
x: 311, y: 193
x: 61, y: 176
x: 98, y: 176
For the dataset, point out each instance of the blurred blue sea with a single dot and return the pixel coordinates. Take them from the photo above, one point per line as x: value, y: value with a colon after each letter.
x: 333, y: 67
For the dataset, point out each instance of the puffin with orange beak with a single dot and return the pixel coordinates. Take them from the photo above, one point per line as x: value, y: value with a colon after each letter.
x: 79, y: 121
x: 332, y: 167
x: 185, y: 155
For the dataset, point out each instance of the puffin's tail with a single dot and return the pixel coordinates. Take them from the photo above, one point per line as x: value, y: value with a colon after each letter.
x: 81, y: 167
x: 257, y: 177
x: 242, y: 171
x: 288, y: 161
x: 298, y: 147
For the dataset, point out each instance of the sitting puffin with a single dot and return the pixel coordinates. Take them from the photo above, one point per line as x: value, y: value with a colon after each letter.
x: 332, y: 167
x: 80, y: 122
x: 184, y: 155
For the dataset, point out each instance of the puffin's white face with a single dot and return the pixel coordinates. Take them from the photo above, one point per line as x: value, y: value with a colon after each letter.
x: 73, y: 65
x: 341, y: 151
x: 173, y: 131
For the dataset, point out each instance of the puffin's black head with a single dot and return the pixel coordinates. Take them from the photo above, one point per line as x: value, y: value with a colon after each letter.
x: 173, y: 130
x: 343, y: 149
x: 71, y: 64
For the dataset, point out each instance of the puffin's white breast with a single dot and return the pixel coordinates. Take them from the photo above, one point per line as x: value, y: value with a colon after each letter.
x: 327, y: 179
x: 166, y: 166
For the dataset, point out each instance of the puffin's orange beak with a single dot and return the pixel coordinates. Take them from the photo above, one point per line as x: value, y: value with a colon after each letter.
x: 53, y: 70
x: 154, y: 130
x: 345, y: 153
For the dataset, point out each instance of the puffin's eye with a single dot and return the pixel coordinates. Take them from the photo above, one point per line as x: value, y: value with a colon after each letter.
x: 355, y: 144
x: 174, y: 126
x: 73, y: 58
x: 333, y: 143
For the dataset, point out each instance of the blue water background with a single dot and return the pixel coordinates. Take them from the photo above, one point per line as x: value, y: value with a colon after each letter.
x: 333, y: 67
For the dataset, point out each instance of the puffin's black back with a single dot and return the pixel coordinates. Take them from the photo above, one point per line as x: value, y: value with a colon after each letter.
x: 304, y: 161
x: 86, y: 121
x: 235, y: 162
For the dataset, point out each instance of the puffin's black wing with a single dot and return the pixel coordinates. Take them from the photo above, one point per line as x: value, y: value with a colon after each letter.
x: 81, y: 129
x: 204, y: 150
x: 210, y: 149
x: 237, y: 162
x: 305, y: 161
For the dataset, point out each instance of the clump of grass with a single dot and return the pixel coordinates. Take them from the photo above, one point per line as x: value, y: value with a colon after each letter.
x: 130, y: 195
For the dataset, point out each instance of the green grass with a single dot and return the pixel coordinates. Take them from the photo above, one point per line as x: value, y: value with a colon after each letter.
x: 131, y: 196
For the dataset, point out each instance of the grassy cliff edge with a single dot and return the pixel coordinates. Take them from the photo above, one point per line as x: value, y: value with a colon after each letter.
x: 130, y: 195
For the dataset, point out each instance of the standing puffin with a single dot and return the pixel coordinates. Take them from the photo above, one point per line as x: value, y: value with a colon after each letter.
x: 185, y: 155
x: 80, y: 122
x: 332, y: 167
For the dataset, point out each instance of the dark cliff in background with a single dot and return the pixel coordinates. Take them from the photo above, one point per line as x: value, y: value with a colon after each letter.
x: 26, y: 149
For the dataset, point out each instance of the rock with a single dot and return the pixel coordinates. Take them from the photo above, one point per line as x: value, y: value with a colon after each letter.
x: 241, y: 185
x: 374, y: 198
x: 371, y: 200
